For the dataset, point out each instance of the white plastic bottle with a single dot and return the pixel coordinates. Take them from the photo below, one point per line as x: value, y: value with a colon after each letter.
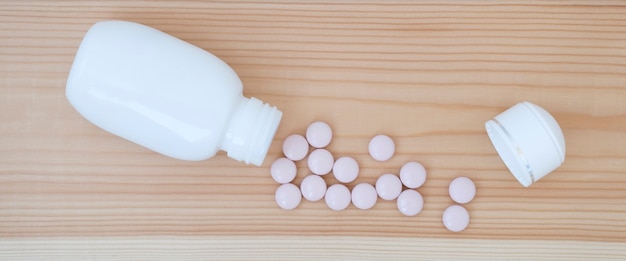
x: 167, y: 95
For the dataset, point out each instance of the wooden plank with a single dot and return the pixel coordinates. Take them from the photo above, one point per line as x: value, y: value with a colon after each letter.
x: 429, y: 74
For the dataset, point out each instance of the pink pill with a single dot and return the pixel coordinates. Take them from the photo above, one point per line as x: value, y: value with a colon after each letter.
x: 337, y: 197
x: 456, y: 218
x: 388, y: 186
x: 288, y: 196
x: 364, y: 196
x: 313, y: 187
x: 410, y: 202
x: 295, y: 147
x: 283, y: 170
x: 321, y: 161
x: 319, y: 134
x: 381, y: 147
x: 462, y: 190
x: 346, y: 169
x: 413, y: 175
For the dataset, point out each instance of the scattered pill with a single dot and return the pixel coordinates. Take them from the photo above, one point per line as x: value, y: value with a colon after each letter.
x: 319, y: 134
x: 313, y: 187
x: 388, y: 186
x: 364, y: 196
x: 413, y: 174
x: 288, y: 196
x: 283, y: 170
x: 321, y: 161
x: 346, y: 169
x: 337, y: 197
x: 381, y: 147
x: 456, y: 218
x: 462, y: 190
x: 410, y: 202
x: 295, y: 147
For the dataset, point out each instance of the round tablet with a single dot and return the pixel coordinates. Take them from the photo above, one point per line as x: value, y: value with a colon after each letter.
x: 283, y: 170
x: 381, y: 147
x: 319, y: 134
x: 288, y: 196
x: 321, y: 161
x: 462, y: 190
x: 346, y: 169
x: 410, y: 202
x: 313, y: 187
x: 295, y: 147
x: 413, y: 174
x: 337, y: 197
x: 364, y: 196
x: 456, y: 218
x: 388, y: 186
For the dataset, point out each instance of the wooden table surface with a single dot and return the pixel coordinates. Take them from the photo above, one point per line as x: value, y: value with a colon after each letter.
x: 428, y: 74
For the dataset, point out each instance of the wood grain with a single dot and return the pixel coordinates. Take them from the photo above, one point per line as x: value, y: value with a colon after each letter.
x: 429, y: 74
x: 307, y: 248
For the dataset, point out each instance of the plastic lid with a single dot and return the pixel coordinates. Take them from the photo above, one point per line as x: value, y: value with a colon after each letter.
x: 528, y: 140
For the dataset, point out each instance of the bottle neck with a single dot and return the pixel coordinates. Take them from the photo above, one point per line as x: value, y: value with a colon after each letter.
x: 251, y: 130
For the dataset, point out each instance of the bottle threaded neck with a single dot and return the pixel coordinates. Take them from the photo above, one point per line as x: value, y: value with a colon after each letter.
x: 251, y: 131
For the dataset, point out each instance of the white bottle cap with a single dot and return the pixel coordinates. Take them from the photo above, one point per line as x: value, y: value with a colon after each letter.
x: 528, y: 140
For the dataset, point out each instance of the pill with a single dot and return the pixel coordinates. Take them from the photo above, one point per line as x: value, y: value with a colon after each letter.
x: 337, y: 197
x: 462, y: 190
x: 388, y: 186
x: 456, y: 218
x: 381, y: 147
x: 321, y: 161
x: 410, y: 202
x: 412, y: 174
x: 346, y: 169
x: 319, y: 134
x: 313, y: 187
x: 288, y: 196
x: 295, y: 147
x: 283, y: 170
x: 364, y: 196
